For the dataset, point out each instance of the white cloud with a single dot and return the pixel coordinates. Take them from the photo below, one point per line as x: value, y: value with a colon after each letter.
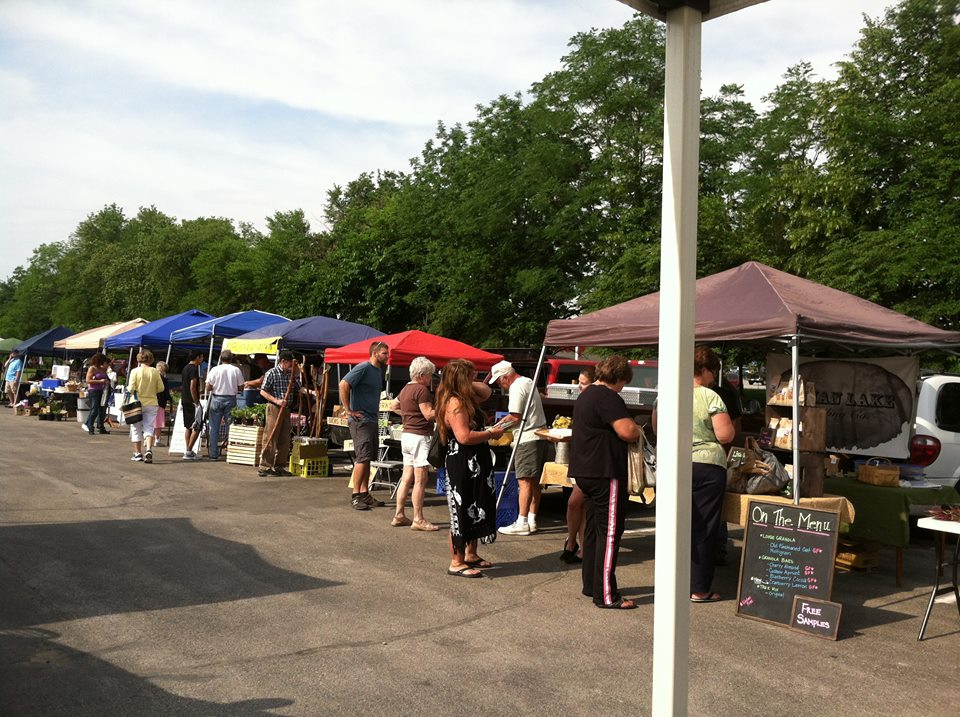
x: 240, y: 108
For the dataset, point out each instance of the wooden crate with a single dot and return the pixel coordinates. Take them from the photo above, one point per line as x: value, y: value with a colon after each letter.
x: 244, y: 444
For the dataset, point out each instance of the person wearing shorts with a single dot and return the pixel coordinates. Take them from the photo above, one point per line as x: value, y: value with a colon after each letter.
x: 189, y: 400
x: 360, y: 395
x: 415, y: 406
x: 144, y: 383
x: 532, y: 450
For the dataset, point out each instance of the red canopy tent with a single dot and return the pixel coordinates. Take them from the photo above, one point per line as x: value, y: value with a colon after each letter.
x: 407, y: 345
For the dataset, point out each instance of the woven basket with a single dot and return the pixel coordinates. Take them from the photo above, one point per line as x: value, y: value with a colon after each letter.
x: 879, y: 471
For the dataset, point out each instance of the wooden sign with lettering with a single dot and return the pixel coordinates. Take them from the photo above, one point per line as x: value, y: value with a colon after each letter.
x: 787, y: 551
x: 818, y: 617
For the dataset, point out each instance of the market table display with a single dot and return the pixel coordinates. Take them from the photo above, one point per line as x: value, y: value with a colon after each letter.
x: 735, y: 506
x: 942, y: 527
x: 883, y: 512
x: 556, y: 474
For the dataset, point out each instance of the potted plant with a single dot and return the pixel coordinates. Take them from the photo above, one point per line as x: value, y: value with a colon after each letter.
x: 55, y: 410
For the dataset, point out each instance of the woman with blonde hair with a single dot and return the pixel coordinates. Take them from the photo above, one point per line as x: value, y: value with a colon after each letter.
x: 415, y: 406
x: 144, y: 383
x: 471, y: 493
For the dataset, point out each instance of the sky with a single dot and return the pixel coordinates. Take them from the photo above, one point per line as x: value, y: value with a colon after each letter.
x: 242, y: 108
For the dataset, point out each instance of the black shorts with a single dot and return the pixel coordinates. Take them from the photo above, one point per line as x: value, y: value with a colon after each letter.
x: 189, y: 413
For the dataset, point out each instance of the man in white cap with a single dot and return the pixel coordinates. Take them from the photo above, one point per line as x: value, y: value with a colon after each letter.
x: 531, y: 451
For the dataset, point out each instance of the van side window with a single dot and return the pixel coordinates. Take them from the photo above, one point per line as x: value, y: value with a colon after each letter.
x: 948, y: 407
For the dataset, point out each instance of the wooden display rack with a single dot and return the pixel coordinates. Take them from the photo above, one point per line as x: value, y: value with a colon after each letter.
x: 813, y: 436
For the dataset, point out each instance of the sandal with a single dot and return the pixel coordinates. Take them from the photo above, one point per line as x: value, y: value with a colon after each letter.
x: 618, y: 604
x: 464, y: 572
x: 424, y: 525
x: 400, y: 521
x: 570, y: 556
x: 709, y: 597
x: 478, y: 563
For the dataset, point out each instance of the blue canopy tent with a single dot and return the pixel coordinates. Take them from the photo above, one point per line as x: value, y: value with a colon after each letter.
x: 156, y: 334
x: 40, y: 345
x: 225, y: 327
x: 314, y: 333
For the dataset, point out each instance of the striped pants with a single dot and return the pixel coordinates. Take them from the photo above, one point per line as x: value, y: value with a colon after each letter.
x: 606, y: 501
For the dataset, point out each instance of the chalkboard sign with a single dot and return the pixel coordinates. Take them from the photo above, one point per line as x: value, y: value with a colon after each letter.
x: 787, y: 551
x: 818, y: 617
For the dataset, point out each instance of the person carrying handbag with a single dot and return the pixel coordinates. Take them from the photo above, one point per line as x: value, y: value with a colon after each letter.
x: 144, y: 383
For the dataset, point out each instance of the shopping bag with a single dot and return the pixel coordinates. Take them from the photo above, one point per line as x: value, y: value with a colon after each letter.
x: 636, y: 481
x: 132, y: 412
x: 437, y: 452
x: 755, y: 471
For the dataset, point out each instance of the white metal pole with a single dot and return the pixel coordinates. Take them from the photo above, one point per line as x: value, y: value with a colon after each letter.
x: 795, y: 430
x: 678, y: 269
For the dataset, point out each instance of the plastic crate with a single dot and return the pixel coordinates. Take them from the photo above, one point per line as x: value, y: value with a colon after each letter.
x: 509, y: 507
x: 311, y: 467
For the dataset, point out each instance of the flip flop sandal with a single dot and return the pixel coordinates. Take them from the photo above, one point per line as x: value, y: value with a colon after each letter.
x: 462, y: 572
x: 478, y: 563
x: 712, y: 597
x: 400, y: 521
x: 619, y: 604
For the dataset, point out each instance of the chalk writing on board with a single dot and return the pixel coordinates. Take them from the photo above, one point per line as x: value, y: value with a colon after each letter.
x: 788, y: 551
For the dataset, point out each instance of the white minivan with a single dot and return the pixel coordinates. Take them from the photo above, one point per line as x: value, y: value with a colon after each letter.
x: 935, y: 443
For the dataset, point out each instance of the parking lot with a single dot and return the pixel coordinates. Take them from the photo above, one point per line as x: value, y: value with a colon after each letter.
x: 200, y: 589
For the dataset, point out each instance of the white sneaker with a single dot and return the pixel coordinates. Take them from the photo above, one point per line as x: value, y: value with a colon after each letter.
x: 532, y: 524
x: 190, y: 456
x: 517, y: 528
x: 84, y: 427
x: 137, y: 457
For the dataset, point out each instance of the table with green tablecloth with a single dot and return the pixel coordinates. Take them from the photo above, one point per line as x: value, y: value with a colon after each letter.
x: 883, y: 512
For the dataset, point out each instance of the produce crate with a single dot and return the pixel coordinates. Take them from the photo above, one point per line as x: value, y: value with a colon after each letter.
x: 303, y: 448
x: 244, y: 444
x: 311, y: 467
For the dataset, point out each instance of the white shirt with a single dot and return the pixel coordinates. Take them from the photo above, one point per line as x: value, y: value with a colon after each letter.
x: 519, y: 390
x: 226, y: 379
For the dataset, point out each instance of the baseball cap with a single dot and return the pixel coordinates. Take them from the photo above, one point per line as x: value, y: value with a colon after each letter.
x: 500, y: 369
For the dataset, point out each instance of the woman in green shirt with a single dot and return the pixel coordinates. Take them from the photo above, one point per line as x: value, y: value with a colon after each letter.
x: 712, y: 427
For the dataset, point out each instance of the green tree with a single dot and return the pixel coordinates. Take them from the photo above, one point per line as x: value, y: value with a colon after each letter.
x: 894, y: 163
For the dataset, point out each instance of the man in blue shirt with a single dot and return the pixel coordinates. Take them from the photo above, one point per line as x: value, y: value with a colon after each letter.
x: 360, y: 395
x: 12, y: 376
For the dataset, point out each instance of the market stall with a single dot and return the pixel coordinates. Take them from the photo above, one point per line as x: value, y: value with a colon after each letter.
x: 757, y: 305
x: 156, y: 334
x: 404, y: 347
x: 225, y: 327
x: 39, y: 345
x: 310, y: 335
x: 92, y: 339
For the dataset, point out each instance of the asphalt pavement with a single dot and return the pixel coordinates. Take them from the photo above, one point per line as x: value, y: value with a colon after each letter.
x: 200, y: 589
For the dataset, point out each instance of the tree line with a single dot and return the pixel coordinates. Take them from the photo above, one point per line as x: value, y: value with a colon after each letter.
x: 547, y: 204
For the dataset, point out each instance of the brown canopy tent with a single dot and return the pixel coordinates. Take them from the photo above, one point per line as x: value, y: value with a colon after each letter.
x: 754, y: 302
x: 761, y: 305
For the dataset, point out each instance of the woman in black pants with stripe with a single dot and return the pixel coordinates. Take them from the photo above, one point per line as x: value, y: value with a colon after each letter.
x: 602, y: 428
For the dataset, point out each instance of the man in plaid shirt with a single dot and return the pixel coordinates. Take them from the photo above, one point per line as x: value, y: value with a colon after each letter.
x: 276, y: 453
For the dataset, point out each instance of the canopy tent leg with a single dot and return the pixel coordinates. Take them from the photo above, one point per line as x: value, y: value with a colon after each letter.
x: 795, y: 430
